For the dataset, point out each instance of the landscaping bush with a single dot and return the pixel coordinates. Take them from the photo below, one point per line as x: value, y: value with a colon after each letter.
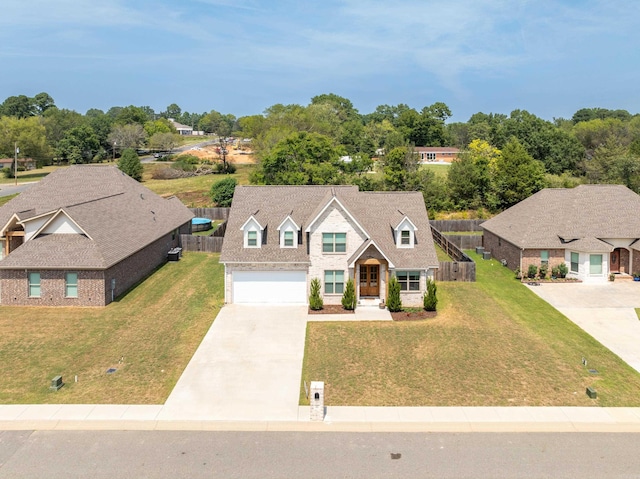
x: 349, y: 296
x: 315, y: 300
x: 222, y: 192
x: 430, y: 300
x: 563, y: 269
x: 532, y: 271
x: 555, y: 272
x: 129, y: 163
x: 8, y: 172
x: 394, y: 303
x: 544, y: 269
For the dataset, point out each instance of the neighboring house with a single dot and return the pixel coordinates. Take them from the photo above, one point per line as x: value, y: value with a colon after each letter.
x: 440, y: 154
x: 84, y: 235
x: 185, y: 130
x: 593, y: 229
x: 23, y: 163
x: 279, y: 238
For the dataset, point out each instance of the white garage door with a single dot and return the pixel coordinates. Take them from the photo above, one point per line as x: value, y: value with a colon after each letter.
x: 269, y: 287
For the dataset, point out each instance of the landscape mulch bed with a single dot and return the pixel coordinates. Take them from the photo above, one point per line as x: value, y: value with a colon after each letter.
x: 413, y: 315
x: 331, y: 309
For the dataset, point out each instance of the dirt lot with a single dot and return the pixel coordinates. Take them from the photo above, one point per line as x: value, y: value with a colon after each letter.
x: 238, y: 157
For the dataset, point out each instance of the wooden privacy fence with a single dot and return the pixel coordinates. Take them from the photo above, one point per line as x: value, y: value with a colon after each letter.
x: 208, y: 244
x: 465, y: 241
x: 462, y: 268
x: 456, y: 271
x: 211, y: 213
x: 457, y: 225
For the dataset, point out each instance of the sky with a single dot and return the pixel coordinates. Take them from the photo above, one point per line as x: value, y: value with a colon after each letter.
x: 243, y: 56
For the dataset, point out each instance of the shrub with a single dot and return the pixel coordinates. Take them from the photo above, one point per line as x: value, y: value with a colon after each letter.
x: 181, y: 164
x: 315, y: 300
x: 532, y: 271
x: 544, y: 269
x: 222, y: 192
x: 230, y: 168
x: 349, y: 296
x: 430, y: 300
x: 8, y: 172
x: 394, y: 303
x: 563, y: 269
x: 555, y: 272
x: 129, y: 163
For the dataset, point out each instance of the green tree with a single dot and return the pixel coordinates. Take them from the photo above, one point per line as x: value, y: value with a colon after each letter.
x: 58, y: 122
x: 129, y: 163
x: 20, y: 106
x: 173, y: 111
x: 42, y: 102
x: 302, y: 159
x: 349, y: 296
x: 127, y: 136
x: 430, y: 299
x: 131, y: 115
x: 164, y: 141
x: 400, y: 169
x: 315, y: 300
x: 30, y: 136
x: 518, y: 175
x: 394, y: 302
x: 161, y: 125
x: 222, y: 192
x: 79, y: 145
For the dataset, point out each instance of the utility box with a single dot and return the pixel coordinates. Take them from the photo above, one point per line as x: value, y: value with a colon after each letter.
x: 479, y: 249
x: 592, y: 393
x: 486, y: 255
x: 316, y: 398
x: 56, y: 383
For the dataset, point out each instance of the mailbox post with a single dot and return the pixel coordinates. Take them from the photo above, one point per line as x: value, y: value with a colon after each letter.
x: 316, y: 398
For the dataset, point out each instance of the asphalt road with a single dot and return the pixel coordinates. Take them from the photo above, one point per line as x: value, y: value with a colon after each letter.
x: 181, y: 454
x: 6, y: 190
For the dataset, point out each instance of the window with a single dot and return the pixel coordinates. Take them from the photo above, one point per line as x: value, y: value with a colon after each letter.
x: 430, y: 156
x: 334, y: 282
x: 575, y: 260
x: 252, y: 238
x: 595, y: 264
x: 334, y: 242
x: 409, y: 280
x: 34, y: 285
x: 405, y: 237
x: 544, y: 258
x: 71, y: 285
x: 288, y: 238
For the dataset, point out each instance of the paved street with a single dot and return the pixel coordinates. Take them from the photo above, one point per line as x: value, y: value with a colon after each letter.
x: 171, y: 454
x: 11, y: 189
x: 605, y: 311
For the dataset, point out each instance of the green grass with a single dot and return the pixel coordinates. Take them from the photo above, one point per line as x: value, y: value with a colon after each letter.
x: 193, y: 191
x: 214, y: 226
x: 442, y: 256
x: 156, y: 327
x: 440, y: 170
x: 463, y: 233
x: 6, y: 199
x: 493, y: 343
x: 29, y: 176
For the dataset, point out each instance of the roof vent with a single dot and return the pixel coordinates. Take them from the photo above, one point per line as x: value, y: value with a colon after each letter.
x: 141, y: 196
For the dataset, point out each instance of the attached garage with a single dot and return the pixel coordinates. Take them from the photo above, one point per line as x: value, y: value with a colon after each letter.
x: 269, y: 287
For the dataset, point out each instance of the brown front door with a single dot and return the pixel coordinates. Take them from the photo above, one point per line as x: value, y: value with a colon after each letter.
x: 369, y: 280
x: 614, y: 261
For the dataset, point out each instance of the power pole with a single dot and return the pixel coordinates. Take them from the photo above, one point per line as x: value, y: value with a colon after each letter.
x: 15, y: 161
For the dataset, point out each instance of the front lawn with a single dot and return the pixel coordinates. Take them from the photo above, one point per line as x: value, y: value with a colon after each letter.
x: 493, y: 343
x: 149, y: 336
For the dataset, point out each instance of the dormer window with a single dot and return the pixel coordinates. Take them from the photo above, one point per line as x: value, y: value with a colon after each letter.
x: 288, y: 239
x: 405, y: 233
x: 252, y: 233
x: 289, y: 231
x: 252, y: 238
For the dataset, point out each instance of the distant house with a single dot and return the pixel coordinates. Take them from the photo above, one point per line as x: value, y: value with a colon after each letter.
x: 279, y: 238
x: 593, y: 229
x: 185, y: 130
x: 429, y: 154
x: 23, y: 163
x: 84, y: 235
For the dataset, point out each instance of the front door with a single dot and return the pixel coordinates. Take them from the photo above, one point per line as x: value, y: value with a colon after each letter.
x: 369, y: 280
x: 614, y: 261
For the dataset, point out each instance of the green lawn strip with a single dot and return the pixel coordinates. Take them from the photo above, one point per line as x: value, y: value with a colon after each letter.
x: 6, y: 199
x: 148, y: 335
x: 439, y: 170
x: 210, y: 231
x: 442, y: 256
x: 485, y: 348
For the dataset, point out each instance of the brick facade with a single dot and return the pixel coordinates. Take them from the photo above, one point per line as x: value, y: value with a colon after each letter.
x: 501, y: 249
x: 94, y: 286
x: 532, y: 257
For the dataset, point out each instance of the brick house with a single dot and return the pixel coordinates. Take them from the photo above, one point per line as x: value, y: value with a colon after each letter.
x: 593, y: 229
x: 83, y: 236
x: 279, y: 238
x: 440, y: 154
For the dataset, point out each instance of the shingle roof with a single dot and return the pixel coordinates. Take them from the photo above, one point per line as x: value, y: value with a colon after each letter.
x: 554, y: 216
x: 377, y: 212
x: 119, y: 215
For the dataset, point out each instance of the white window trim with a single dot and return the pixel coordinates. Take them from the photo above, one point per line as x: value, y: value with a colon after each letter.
x: 409, y: 271
x: 29, y: 284
x: 405, y: 225
x: 334, y: 233
x: 258, y: 238
x: 66, y: 284
x: 345, y: 278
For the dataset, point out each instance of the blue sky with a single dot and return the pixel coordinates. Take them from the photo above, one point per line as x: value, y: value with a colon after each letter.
x: 242, y: 56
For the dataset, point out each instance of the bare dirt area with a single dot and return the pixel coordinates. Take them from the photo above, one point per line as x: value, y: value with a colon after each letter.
x: 331, y: 309
x: 210, y: 152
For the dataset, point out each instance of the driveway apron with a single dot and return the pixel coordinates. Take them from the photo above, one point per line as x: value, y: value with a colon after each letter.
x: 605, y: 311
x: 248, y: 367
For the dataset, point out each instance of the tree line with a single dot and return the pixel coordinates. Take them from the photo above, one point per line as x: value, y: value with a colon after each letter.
x: 504, y: 158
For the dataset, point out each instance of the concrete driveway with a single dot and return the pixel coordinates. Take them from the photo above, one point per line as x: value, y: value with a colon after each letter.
x: 605, y: 311
x: 248, y: 367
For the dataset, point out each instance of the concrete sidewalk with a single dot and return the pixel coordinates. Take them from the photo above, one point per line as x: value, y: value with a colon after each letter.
x: 355, y: 419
